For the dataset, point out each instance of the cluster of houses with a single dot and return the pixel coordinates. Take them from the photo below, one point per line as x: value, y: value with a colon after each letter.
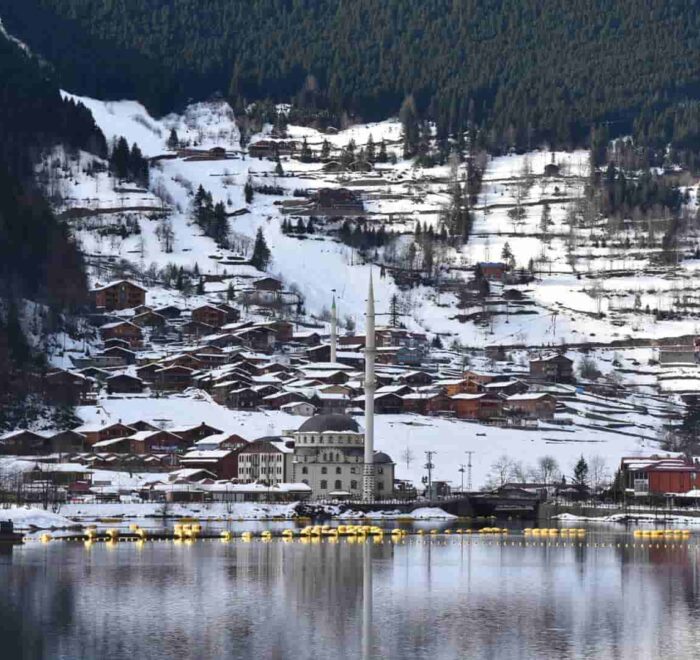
x: 278, y: 365
x: 323, y: 458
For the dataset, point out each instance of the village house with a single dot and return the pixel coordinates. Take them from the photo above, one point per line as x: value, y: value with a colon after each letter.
x: 67, y: 387
x: 122, y: 330
x: 67, y: 441
x: 169, y: 312
x: 23, y: 443
x: 118, y: 295
x: 477, y: 406
x: 211, y: 315
x: 124, y: 384
x: 149, y: 318
x: 656, y: 475
x: 123, y: 355
x: 191, y: 434
x: 109, y: 432
x: 264, y: 460
x: 157, y: 441
x: 533, y: 405
x: 506, y: 387
x: 221, y: 441
x: 222, y: 462
x: 301, y: 408
x: 175, y: 378
x: 555, y: 368
x: 494, y: 271
x: 427, y: 403
x: 268, y: 284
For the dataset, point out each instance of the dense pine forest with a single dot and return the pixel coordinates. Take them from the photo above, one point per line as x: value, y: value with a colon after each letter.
x: 526, y: 71
x: 38, y: 259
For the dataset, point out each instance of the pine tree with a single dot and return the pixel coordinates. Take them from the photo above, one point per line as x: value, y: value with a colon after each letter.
x: 301, y: 227
x: 261, y: 252
x: 305, y: 155
x: 371, y: 156
x: 325, y: 150
x: 173, y: 141
x: 200, y: 287
x: 248, y: 191
x: 382, y: 157
x: 119, y: 160
x: 278, y: 168
x: 409, y: 120
x: 230, y: 292
x: 581, y: 472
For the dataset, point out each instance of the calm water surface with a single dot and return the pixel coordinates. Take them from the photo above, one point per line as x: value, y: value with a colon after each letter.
x: 446, y: 597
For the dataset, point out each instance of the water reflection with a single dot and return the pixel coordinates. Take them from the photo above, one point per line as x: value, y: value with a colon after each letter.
x: 445, y: 597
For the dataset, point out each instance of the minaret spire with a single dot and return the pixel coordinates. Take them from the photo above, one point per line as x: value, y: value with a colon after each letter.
x: 334, y: 330
x: 370, y: 387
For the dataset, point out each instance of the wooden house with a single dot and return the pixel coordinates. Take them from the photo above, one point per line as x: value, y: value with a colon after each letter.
x: 477, y: 406
x: 555, y: 368
x: 122, y: 330
x: 122, y: 294
x: 173, y: 378
x: 533, y: 405
x: 124, y: 384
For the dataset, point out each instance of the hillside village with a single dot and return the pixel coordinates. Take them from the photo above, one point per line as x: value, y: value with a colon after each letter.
x: 526, y: 329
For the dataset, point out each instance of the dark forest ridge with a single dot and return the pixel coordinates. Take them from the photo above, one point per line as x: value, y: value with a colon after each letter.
x: 528, y: 70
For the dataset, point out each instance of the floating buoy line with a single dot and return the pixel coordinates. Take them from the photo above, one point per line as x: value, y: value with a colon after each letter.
x: 486, y: 536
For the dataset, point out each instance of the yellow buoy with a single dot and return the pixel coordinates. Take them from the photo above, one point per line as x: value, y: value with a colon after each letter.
x: 226, y: 535
x: 113, y: 533
x: 133, y: 527
x: 45, y: 538
x: 246, y: 536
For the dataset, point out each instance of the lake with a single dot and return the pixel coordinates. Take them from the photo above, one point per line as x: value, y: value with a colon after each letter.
x: 439, y: 597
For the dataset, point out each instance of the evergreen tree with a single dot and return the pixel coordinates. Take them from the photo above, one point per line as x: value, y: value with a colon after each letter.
x: 120, y: 159
x: 409, y: 121
x: 581, y: 472
x: 261, y: 252
x: 173, y: 141
x: 325, y: 150
x: 248, y: 191
x: 278, y: 168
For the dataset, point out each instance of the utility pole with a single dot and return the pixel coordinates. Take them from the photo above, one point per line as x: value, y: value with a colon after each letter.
x: 462, y: 470
x: 429, y: 466
x: 469, y: 468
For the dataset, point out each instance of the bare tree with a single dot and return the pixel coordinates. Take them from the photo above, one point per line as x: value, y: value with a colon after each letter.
x: 501, y: 472
x: 407, y: 457
x: 547, y: 470
x: 598, y: 472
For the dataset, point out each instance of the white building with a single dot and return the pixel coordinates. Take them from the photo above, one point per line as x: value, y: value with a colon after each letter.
x: 329, y: 457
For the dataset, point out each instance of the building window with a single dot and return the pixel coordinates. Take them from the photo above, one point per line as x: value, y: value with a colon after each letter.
x: 380, y: 471
x: 338, y: 484
x: 353, y: 485
x: 380, y: 485
x: 339, y: 470
x: 324, y: 484
x: 324, y: 470
x: 305, y: 470
x: 353, y: 470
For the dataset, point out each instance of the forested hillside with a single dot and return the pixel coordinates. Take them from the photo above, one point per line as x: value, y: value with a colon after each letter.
x: 38, y: 260
x: 529, y: 70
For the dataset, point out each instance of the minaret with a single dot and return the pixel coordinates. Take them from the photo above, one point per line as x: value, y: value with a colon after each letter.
x: 370, y: 387
x: 334, y: 331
